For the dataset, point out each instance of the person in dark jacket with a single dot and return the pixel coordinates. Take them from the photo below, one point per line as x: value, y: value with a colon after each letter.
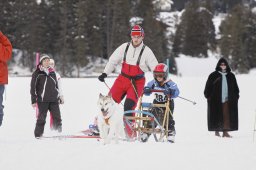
x: 222, y: 93
x: 45, y: 94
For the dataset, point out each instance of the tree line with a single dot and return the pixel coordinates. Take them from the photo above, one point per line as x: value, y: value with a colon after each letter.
x: 195, y: 35
x: 75, y: 32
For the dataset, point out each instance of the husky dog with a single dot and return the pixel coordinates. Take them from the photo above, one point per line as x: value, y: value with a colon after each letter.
x: 110, y: 120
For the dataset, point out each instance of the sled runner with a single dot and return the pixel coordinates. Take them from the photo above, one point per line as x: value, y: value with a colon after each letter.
x: 69, y: 136
x: 149, y: 119
x: 86, y: 134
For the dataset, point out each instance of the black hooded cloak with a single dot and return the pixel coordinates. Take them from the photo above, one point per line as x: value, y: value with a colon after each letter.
x: 213, y: 93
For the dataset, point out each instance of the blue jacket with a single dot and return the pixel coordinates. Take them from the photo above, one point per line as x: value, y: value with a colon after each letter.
x: 159, y: 96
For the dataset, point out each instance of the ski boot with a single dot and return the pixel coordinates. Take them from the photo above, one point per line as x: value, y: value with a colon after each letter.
x: 94, y: 130
x: 171, y: 136
x: 144, y: 137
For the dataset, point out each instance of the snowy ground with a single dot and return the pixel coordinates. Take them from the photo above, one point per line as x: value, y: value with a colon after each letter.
x: 195, y: 147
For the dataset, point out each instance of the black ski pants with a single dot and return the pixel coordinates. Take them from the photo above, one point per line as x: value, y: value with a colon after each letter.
x: 159, y: 114
x: 43, y: 108
x: 171, y: 124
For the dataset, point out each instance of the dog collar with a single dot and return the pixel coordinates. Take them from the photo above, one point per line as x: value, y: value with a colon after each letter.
x: 106, y: 120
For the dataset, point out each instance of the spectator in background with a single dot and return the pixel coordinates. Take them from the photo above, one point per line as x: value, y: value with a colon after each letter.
x: 5, y: 55
x: 222, y: 93
x: 61, y: 96
x: 44, y: 92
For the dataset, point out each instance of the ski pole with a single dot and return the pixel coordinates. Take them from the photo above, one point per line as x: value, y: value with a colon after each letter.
x: 254, y: 127
x: 107, y: 85
x: 5, y: 92
x: 187, y: 100
x: 37, y: 58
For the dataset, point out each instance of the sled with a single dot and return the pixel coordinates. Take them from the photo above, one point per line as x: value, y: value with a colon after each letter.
x: 149, y: 118
x: 85, y: 134
x: 69, y: 136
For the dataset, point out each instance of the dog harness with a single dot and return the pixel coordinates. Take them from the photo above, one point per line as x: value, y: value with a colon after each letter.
x: 106, y: 120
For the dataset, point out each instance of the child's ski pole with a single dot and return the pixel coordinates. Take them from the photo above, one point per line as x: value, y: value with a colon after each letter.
x: 187, y: 100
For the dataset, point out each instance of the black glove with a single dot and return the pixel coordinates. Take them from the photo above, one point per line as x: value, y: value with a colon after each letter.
x: 102, y: 77
x: 167, y: 91
x: 170, y: 92
x: 147, y: 90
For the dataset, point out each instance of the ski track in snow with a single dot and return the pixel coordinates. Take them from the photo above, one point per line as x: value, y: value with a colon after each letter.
x: 195, y: 147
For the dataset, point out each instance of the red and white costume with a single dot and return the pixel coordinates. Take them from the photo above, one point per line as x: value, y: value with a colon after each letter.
x: 135, y: 61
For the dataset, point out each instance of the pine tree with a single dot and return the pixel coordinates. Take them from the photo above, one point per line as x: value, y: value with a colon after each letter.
x: 7, y: 21
x: 196, y: 33
x: 53, y: 22
x: 80, y: 40
x: 95, y: 29
x: 250, y: 40
x: 234, y: 32
x: 225, y: 41
x: 39, y: 30
x: 179, y: 4
x: 155, y: 33
x: 26, y: 30
x: 179, y: 37
x: 153, y: 29
x: 117, y: 24
x: 65, y: 35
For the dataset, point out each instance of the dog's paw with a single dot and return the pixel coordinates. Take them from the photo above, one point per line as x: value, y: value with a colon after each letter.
x: 107, y: 141
x: 116, y: 140
x: 102, y: 142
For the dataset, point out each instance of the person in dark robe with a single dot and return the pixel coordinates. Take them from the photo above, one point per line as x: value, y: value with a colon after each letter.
x: 222, y: 94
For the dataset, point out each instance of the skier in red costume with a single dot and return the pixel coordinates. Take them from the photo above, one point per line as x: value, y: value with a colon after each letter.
x: 136, y: 58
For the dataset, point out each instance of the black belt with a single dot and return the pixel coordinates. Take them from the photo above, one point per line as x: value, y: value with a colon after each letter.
x: 133, y: 77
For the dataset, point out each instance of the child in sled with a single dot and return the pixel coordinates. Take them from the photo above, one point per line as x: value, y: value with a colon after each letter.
x: 170, y: 89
